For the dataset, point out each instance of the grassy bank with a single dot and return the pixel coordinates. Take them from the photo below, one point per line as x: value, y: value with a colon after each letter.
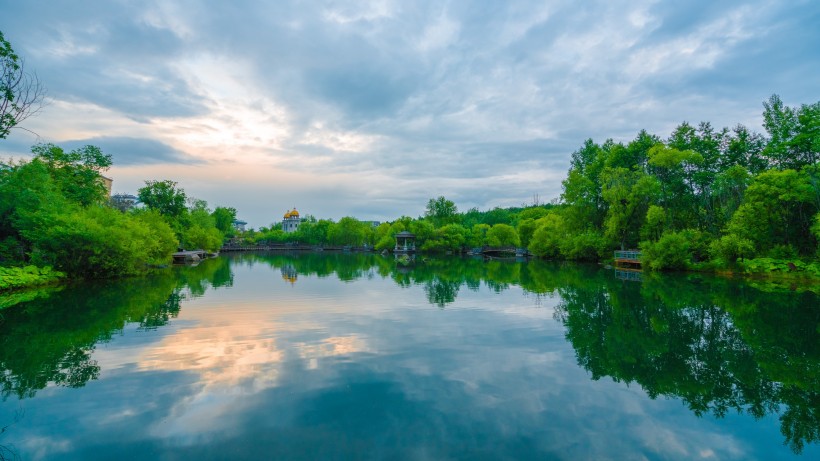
x: 12, y: 278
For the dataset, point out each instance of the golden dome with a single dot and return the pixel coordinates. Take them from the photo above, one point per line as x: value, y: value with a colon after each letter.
x: 292, y: 214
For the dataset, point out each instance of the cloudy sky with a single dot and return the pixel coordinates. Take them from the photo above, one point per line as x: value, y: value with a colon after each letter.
x: 370, y: 108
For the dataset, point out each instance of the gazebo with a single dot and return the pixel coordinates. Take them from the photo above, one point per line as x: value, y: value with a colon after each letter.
x: 405, y: 242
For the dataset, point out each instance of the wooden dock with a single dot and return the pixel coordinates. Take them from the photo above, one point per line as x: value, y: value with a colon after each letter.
x: 628, y: 259
x: 182, y: 257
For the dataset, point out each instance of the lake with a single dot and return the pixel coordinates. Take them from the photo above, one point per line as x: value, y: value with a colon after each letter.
x: 359, y: 356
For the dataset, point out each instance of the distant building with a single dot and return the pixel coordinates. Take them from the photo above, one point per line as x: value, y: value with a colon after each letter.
x: 107, y: 182
x: 405, y: 242
x: 291, y: 221
x: 124, y: 202
x: 372, y: 224
x: 239, y: 225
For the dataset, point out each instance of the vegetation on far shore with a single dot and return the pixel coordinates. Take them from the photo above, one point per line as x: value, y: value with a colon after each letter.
x: 727, y: 200
x: 702, y: 199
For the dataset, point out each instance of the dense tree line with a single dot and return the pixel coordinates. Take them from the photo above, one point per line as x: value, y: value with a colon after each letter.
x: 700, y: 195
x: 55, y: 212
x: 703, y: 198
x: 441, y: 229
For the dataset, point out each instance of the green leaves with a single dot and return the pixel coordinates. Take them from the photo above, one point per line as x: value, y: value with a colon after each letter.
x: 502, y: 235
x: 794, y: 134
x: 19, y: 277
x: 164, y: 197
x: 441, y: 211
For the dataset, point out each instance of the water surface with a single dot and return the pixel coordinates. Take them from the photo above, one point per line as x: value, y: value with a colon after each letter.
x: 339, y: 356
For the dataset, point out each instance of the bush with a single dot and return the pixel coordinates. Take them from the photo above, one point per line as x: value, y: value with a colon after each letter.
x: 28, y: 276
x: 203, y: 238
x: 549, y: 233
x: 451, y: 237
x: 502, y: 235
x: 730, y: 247
x: 772, y: 265
x: 671, y: 252
x: 586, y: 246
x: 96, y: 242
x: 782, y: 252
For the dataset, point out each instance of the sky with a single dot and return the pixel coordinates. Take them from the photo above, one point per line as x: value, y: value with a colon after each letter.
x: 371, y: 108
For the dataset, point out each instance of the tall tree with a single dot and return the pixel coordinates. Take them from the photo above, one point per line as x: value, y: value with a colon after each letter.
x: 224, y: 218
x: 441, y: 211
x: 163, y: 196
x: 77, y: 173
x: 794, y: 134
x: 21, y: 93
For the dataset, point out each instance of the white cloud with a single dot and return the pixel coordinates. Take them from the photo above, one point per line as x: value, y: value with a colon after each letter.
x: 351, y: 96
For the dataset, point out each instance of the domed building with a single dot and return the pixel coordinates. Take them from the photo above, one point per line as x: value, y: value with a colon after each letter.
x: 291, y: 221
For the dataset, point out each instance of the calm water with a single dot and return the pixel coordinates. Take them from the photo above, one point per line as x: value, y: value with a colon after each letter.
x: 323, y: 356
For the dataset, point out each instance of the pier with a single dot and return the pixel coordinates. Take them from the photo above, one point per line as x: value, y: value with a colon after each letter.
x: 182, y: 257
x: 628, y: 259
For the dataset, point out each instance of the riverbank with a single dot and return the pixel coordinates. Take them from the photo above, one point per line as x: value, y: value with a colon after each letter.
x: 12, y: 278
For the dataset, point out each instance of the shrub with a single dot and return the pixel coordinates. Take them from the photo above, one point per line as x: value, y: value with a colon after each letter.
x: 96, y: 242
x: 730, y: 247
x: 501, y: 235
x: 671, y: 252
x: 19, y: 277
x: 547, y: 237
x: 586, y: 246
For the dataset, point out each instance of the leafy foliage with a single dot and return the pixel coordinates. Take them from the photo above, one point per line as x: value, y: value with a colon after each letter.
x: 735, y: 192
x: 163, y: 196
x: 670, y: 252
x: 18, y: 277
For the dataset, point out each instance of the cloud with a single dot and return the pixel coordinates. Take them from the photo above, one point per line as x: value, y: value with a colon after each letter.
x: 427, y: 94
x: 127, y: 151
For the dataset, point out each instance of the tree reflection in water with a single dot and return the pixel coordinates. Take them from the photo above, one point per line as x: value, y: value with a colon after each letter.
x: 718, y: 345
x: 50, y: 338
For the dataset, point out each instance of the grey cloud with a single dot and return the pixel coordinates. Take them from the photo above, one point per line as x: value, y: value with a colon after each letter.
x: 515, y: 86
x: 135, y: 151
x: 116, y: 60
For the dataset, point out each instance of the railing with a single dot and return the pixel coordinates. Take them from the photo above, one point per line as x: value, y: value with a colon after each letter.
x: 630, y: 276
x: 628, y: 255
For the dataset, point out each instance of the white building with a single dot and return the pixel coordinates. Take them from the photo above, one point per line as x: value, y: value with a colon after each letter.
x: 291, y: 221
x: 239, y: 225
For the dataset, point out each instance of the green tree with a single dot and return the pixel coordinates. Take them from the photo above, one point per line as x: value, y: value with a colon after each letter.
x: 348, y: 231
x: 450, y: 237
x: 582, y: 187
x: 731, y: 247
x: 745, y: 149
x: 223, y: 220
x: 777, y: 209
x: 629, y: 194
x: 21, y: 93
x: 78, y: 173
x: 478, y: 235
x: 654, y: 225
x: 423, y: 230
x: 670, y: 252
x: 549, y: 233
x: 794, y: 134
x: 163, y: 196
x: 502, y: 235
x: 675, y: 170
x: 95, y: 242
x: 526, y: 228
x: 441, y: 211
